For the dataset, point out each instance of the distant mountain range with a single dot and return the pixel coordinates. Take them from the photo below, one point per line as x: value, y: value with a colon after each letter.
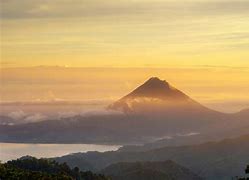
x: 153, y: 111
x: 220, y: 160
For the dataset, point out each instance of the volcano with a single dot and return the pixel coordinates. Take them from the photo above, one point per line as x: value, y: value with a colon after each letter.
x: 153, y: 111
x: 157, y: 96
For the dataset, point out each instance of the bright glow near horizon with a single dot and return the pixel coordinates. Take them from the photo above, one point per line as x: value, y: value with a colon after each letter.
x: 202, y: 44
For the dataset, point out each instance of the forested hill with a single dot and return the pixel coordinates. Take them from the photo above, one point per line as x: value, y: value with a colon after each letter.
x: 167, y: 170
x: 30, y: 168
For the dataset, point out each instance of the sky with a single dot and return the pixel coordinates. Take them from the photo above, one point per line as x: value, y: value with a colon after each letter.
x: 124, y: 33
x: 95, y: 49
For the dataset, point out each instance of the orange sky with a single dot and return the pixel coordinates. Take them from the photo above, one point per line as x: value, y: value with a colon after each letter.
x: 200, y: 46
x: 124, y: 33
x: 222, y: 88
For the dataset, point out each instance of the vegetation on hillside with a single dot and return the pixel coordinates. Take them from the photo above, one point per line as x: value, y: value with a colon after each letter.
x: 247, y: 172
x: 166, y: 170
x: 30, y: 168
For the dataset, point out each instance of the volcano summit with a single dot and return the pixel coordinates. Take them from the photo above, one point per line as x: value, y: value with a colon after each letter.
x: 156, y: 96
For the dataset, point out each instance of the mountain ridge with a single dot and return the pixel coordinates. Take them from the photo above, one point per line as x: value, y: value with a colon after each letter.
x: 149, y: 170
x: 217, y: 160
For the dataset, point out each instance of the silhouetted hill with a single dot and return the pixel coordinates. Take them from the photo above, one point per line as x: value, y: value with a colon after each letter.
x: 167, y: 170
x: 214, y: 160
x: 243, y: 113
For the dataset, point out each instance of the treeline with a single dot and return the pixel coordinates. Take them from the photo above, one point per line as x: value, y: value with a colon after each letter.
x: 247, y: 172
x: 30, y: 168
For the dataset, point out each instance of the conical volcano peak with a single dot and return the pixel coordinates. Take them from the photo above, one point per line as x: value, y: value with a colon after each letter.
x: 155, y: 79
x: 157, y: 83
x: 154, y: 95
x: 156, y: 88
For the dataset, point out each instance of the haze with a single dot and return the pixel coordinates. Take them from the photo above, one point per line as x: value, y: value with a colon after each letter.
x: 88, y: 50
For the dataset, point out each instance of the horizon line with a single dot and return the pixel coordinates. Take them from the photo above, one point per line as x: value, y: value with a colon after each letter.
x: 129, y: 67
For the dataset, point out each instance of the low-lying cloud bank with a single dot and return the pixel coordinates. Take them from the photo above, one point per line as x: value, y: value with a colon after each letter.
x: 22, y: 117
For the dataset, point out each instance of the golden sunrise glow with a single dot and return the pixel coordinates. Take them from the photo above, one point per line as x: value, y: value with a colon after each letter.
x: 200, y: 46
x: 142, y: 33
x: 222, y: 88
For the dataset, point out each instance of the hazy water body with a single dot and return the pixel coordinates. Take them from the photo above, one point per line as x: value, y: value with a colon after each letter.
x: 10, y: 151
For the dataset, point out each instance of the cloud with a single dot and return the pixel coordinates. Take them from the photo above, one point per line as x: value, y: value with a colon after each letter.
x: 99, y: 112
x: 17, y: 115
x: 35, y: 118
x: 66, y: 114
x: 188, y: 134
x: 224, y: 7
x: 20, y: 117
x: 87, y: 113
x: 98, y: 8
x: 171, y: 24
x: 54, y: 102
